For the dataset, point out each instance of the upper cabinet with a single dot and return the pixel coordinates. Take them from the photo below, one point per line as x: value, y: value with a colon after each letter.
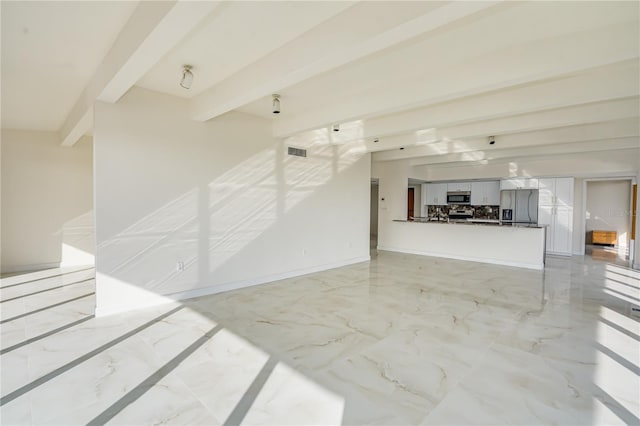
x: 519, y: 183
x: 557, y: 192
x: 485, y: 193
x: 458, y: 186
x: 434, y: 194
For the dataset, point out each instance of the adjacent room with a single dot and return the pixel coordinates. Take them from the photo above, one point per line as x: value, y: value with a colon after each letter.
x: 312, y: 212
x: 608, y: 219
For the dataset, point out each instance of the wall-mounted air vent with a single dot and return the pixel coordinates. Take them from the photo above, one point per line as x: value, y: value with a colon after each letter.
x: 297, y: 152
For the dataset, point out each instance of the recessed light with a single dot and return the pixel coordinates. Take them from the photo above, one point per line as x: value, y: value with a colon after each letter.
x: 401, y: 148
x: 376, y: 140
x: 492, y: 140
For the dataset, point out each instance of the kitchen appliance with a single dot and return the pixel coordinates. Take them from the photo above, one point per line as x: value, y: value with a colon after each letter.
x: 459, y: 197
x: 460, y: 214
x: 519, y: 206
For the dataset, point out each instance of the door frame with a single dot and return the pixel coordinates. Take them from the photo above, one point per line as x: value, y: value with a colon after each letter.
x: 632, y: 254
x: 412, y: 204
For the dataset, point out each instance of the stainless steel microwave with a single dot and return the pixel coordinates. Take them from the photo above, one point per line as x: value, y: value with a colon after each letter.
x: 459, y: 197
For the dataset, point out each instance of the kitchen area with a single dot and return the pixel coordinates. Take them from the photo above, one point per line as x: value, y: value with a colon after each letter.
x: 511, y: 221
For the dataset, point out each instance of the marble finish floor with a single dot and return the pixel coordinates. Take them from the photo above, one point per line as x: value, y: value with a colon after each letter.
x: 400, y: 340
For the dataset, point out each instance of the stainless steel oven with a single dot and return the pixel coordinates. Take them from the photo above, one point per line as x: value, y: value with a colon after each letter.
x: 459, y: 197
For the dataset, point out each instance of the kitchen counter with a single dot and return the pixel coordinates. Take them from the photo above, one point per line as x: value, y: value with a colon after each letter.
x: 520, y: 245
x: 483, y: 222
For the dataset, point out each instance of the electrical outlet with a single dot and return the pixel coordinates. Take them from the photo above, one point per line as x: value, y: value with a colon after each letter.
x: 179, y: 266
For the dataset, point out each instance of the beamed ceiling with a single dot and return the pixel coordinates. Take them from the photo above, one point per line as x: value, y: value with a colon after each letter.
x: 435, y: 78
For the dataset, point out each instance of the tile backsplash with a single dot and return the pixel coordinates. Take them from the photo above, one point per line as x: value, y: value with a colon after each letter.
x: 479, y: 212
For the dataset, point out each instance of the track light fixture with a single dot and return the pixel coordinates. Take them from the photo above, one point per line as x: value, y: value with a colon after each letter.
x: 276, y: 104
x: 336, y: 127
x: 187, y: 77
x: 492, y: 140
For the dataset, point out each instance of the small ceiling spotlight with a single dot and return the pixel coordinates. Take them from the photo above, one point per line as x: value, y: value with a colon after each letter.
x: 336, y: 127
x: 376, y: 140
x: 401, y: 148
x: 492, y: 140
x: 276, y: 104
x: 187, y: 77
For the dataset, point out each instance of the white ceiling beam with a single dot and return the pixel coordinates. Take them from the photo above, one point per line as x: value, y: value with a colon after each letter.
x: 277, y: 71
x: 627, y: 128
x: 582, y: 114
x: 621, y: 109
x: 485, y: 157
x: 545, y: 59
x: 154, y: 28
x: 603, y: 84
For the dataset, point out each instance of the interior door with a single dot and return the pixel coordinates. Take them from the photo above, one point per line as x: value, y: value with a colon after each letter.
x: 410, y: 201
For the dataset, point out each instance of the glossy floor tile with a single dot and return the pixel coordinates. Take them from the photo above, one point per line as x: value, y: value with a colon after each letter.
x: 400, y: 340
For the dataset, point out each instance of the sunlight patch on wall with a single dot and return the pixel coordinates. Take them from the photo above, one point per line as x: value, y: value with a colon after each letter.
x: 174, y: 225
x: 179, y: 245
x: 78, y: 241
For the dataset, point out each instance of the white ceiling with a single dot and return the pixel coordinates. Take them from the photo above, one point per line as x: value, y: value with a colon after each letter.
x: 435, y: 78
x: 237, y: 34
x: 50, y: 51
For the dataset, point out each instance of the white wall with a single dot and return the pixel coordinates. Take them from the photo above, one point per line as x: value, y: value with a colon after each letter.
x: 392, y: 195
x: 417, y: 200
x: 47, y: 201
x: 222, y: 197
x: 609, y: 208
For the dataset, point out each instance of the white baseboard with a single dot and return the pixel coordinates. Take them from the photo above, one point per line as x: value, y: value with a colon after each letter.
x: 29, y: 268
x: 467, y: 258
x: 173, y: 298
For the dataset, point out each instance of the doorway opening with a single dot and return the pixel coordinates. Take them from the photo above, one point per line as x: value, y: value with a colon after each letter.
x: 608, y: 225
x: 410, y: 203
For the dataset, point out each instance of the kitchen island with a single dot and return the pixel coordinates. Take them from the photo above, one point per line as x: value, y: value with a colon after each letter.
x: 521, y: 246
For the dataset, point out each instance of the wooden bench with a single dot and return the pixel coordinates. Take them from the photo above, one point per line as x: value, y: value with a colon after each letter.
x: 604, y: 237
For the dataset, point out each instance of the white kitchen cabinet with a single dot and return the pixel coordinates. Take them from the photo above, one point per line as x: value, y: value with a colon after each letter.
x: 564, y: 192
x: 546, y: 191
x: 519, y: 183
x: 555, y: 210
x: 485, y: 193
x: 458, y: 186
x: 435, y: 194
x: 562, y: 231
x: 555, y: 192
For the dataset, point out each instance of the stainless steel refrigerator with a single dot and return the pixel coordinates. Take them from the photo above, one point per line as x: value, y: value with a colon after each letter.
x: 519, y: 206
